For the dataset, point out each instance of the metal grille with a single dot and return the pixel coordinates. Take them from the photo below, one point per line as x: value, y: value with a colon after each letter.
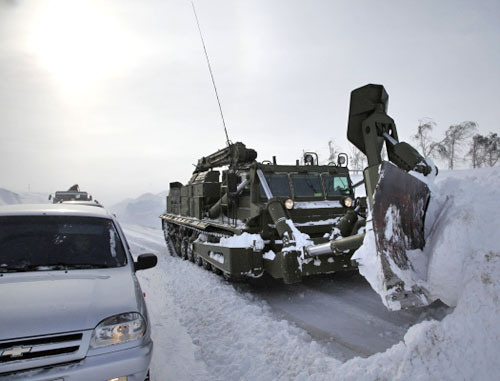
x: 40, y: 347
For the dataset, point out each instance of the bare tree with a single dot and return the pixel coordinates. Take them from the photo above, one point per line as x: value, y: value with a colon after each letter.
x: 450, y: 147
x: 485, y: 150
x: 332, y: 149
x: 357, y: 158
x: 492, y: 149
x: 424, y: 142
x: 477, y: 151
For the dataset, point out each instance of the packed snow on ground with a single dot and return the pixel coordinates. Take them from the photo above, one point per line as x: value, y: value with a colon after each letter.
x: 219, y: 334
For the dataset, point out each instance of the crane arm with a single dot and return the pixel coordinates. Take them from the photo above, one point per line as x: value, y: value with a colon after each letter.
x: 234, y: 154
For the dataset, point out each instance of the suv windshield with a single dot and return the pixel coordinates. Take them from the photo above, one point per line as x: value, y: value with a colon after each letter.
x: 280, y: 187
x: 307, y: 185
x: 30, y: 243
x: 336, y: 185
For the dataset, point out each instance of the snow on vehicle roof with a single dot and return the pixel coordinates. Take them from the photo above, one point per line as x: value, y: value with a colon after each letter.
x: 53, y: 210
x: 82, y: 202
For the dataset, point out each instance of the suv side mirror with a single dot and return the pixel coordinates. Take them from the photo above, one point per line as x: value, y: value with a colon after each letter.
x: 145, y: 261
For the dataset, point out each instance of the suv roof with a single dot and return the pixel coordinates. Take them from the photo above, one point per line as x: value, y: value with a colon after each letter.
x: 83, y: 202
x: 53, y: 210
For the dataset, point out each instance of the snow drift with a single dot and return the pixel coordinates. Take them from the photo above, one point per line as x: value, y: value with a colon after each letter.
x: 463, y: 252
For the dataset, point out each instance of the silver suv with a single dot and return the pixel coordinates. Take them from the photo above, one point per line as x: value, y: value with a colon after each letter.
x: 71, y: 305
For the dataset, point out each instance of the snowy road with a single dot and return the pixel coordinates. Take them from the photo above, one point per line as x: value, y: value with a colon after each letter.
x: 206, y: 328
x: 346, y: 314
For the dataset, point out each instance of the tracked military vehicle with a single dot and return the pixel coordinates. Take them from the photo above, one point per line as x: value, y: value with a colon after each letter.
x: 256, y: 217
x: 296, y: 220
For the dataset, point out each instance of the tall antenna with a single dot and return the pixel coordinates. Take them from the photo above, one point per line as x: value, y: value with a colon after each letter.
x: 211, y: 73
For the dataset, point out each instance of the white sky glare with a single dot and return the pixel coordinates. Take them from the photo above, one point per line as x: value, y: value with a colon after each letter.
x: 108, y: 94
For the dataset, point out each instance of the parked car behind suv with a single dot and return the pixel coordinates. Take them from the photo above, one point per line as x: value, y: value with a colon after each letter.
x: 71, y: 305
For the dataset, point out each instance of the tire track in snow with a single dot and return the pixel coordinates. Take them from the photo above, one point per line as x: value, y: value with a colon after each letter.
x: 235, y: 335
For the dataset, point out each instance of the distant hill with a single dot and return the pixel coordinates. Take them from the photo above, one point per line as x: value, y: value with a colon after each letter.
x: 8, y: 197
x: 143, y: 210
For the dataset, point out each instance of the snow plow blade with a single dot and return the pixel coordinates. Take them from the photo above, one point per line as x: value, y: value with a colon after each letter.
x: 399, y: 205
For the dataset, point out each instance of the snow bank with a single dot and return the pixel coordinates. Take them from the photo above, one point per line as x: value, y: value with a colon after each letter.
x: 463, y: 346
x: 466, y: 232
x: 463, y: 249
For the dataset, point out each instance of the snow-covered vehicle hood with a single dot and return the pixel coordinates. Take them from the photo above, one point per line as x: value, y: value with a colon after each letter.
x: 48, y: 302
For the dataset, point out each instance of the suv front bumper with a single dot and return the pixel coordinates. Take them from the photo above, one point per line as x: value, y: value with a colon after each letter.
x: 131, y: 362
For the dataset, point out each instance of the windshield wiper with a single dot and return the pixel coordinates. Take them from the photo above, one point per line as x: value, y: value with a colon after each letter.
x: 16, y: 269
x: 10, y: 269
x: 52, y: 267
x: 87, y: 266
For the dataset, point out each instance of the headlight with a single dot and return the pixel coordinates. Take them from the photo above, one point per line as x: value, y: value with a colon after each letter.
x: 289, y: 204
x: 348, y: 202
x: 118, y: 329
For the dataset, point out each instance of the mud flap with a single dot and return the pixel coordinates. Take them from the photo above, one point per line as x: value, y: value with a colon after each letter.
x: 398, y: 215
x: 290, y: 267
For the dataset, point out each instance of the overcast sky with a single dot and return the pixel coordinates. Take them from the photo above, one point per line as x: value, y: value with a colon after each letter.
x: 116, y: 95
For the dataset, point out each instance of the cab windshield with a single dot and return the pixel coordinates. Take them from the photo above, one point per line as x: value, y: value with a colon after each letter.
x: 336, y: 185
x: 280, y: 187
x: 36, y: 243
x: 307, y: 185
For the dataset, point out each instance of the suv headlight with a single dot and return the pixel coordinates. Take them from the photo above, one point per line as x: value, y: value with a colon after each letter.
x: 118, y: 329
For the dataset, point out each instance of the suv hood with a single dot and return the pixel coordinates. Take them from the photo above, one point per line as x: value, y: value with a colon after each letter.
x: 49, y: 302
